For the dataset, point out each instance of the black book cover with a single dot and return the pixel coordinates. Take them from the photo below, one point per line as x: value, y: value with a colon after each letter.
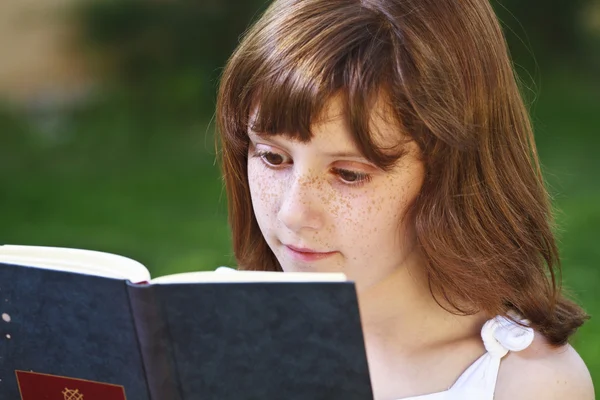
x: 184, y: 341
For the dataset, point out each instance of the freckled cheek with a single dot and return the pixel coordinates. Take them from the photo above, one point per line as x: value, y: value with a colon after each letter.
x: 374, y: 216
x: 266, y: 189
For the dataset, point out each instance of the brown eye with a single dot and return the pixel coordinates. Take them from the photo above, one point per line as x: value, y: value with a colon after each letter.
x: 348, y: 176
x: 352, y: 177
x: 272, y: 158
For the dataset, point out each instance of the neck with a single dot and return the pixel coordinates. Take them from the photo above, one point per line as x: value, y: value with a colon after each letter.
x: 399, y: 311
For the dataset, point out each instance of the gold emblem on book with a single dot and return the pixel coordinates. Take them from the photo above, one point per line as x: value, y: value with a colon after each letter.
x: 70, y: 394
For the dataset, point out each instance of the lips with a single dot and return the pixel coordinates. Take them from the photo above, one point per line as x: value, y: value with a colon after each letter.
x: 304, y: 249
x: 306, y: 254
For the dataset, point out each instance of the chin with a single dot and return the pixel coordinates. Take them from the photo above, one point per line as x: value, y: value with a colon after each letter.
x: 307, y: 268
x: 298, y: 268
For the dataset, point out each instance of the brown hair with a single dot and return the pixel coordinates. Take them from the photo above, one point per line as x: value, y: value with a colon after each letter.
x: 482, y: 217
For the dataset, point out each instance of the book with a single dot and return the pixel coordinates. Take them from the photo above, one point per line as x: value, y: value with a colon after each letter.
x: 88, y: 325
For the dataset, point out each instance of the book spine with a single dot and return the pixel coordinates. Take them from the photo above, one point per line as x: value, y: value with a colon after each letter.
x: 154, y: 342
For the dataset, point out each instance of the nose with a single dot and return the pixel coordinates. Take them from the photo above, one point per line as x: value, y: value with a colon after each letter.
x: 301, y: 207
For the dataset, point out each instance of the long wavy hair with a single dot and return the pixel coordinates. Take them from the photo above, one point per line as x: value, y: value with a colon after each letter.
x: 482, y: 218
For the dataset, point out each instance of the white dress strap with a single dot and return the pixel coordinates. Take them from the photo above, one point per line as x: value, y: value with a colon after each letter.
x: 500, y: 335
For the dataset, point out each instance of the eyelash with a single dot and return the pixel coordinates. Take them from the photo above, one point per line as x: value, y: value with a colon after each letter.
x: 361, y: 177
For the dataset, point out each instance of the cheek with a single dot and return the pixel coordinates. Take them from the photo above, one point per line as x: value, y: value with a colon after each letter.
x: 394, y: 228
x: 370, y: 215
x: 264, y: 190
x: 375, y: 217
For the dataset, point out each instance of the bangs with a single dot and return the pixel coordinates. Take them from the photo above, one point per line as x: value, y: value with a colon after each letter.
x: 304, y: 62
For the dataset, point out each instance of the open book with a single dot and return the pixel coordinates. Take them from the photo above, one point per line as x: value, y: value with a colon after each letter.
x: 92, y: 325
x: 116, y: 266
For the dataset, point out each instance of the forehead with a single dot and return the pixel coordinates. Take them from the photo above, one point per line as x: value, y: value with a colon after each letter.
x: 384, y: 128
x: 334, y: 122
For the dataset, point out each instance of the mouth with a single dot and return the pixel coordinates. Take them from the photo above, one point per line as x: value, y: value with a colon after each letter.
x: 307, y: 255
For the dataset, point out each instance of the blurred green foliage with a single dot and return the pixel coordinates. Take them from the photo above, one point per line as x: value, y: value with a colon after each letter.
x: 168, y: 53
x: 108, y: 180
x: 552, y: 30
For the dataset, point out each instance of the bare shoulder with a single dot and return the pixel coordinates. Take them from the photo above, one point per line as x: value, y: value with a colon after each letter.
x: 544, y: 372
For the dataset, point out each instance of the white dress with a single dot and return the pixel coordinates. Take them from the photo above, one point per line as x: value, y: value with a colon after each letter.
x: 500, y: 335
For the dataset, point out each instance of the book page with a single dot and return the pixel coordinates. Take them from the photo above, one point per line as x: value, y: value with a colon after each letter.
x: 75, y: 260
x: 224, y: 274
x: 119, y: 267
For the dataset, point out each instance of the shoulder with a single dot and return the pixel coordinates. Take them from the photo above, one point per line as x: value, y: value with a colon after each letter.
x: 544, y: 372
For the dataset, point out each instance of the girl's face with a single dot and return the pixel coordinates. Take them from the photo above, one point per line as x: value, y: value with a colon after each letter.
x: 322, y: 207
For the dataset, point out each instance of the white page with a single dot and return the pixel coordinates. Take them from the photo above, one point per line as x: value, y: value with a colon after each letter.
x: 115, y: 266
x: 224, y: 274
x: 75, y: 260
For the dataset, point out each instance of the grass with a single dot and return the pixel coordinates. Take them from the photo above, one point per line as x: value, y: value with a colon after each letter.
x: 143, y: 184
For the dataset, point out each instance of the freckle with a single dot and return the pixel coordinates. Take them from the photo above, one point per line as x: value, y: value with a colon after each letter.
x: 6, y: 317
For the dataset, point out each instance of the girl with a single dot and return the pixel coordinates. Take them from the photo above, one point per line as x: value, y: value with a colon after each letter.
x: 387, y: 139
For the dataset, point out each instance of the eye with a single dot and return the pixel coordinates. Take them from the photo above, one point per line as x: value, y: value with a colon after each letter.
x: 352, y: 177
x: 270, y: 158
